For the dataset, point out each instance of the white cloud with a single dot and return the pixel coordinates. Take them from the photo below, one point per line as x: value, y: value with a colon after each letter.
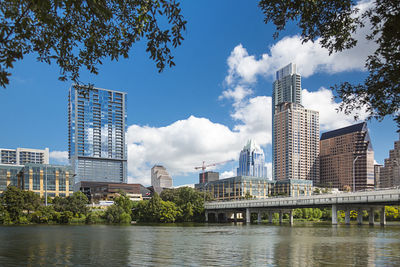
x: 322, y: 101
x: 227, y: 174
x: 59, y: 157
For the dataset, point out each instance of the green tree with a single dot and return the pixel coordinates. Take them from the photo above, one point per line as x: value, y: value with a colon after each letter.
x: 76, y: 34
x: 13, y: 200
x: 334, y: 23
x: 77, y: 203
x: 168, y: 212
x: 31, y: 201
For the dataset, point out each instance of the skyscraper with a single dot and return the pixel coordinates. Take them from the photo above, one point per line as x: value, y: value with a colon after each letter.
x: 160, y: 178
x: 347, y: 157
x: 252, y: 161
x: 390, y: 172
x: 96, y: 129
x: 286, y: 88
x: 296, y: 142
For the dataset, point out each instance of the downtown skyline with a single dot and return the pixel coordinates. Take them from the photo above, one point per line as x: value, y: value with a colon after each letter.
x: 205, y: 108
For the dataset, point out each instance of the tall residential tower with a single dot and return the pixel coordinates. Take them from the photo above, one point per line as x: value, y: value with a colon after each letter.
x: 96, y: 129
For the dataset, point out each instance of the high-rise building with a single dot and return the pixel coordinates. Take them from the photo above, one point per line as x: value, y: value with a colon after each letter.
x: 96, y: 128
x: 252, y: 161
x: 390, y: 172
x: 377, y: 175
x: 160, y: 178
x: 296, y: 142
x: 286, y: 88
x: 21, y: 156
x: 347, y: 158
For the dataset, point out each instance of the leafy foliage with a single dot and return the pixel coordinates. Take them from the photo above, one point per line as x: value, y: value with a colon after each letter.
x: 335, y: 22
x: 76, y: 34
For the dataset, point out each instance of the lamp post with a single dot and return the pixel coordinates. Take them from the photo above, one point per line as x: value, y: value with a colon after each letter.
x: 354, y: 174
x: 45, y: 188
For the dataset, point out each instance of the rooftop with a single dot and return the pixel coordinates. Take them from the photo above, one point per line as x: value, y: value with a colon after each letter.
x: 346, y: 130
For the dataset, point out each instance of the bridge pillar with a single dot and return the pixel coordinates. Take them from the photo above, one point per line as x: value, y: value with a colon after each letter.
x: 216, y: 217
x: 248, y: 216
x: 280, y: 216
x: 259, y: 217
x: 383, y: 216
x: 235, y: 216
x: 359, y: 216
x: 371, y: 215
x: 347, y: 215
x: 334, y: 214
x: 291, y: 217
x: 270, y: 215
x: 206, y: 213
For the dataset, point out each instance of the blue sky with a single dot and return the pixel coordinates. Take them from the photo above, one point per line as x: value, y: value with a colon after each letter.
x: 206, y: 107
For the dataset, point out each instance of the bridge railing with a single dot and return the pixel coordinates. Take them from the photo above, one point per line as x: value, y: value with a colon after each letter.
x: 315, y: 200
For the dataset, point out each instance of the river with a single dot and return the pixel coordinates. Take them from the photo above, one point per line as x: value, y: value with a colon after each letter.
x: 200, y: 245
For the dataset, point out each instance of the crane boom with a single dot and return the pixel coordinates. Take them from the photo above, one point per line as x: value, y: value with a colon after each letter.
x: 204, y: 166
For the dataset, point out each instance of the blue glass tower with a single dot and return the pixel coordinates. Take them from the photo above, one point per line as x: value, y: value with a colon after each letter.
x: 96, y: 130
x: 252, y: 161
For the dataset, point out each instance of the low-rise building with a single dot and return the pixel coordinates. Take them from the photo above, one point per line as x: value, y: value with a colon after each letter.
x: 21, y: 156
x: 102, y: 191
x: 240, y: 187
x: 208, y: 176
x: 56, y: 180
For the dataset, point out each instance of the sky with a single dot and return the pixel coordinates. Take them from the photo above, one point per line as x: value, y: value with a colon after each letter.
x: 206, y: 107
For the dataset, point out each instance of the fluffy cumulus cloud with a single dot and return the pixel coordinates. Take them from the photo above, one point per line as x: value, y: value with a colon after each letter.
x: 59, y: 157
x: 322, y: 101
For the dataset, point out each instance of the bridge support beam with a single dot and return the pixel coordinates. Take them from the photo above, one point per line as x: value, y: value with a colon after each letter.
x: 347, y: 216
x: 280, y: 216
x: 291, y: 217
x: 383, y: 216
x: 259, y: 217
x: 334, y: 214
x: 371, y: 215
x: 248, y: 216
x: 359, y: 216
x: 235, y: 216
x: 270, y: 215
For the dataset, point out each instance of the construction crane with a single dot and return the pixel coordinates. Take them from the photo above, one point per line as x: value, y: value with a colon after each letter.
x: 204, y: 167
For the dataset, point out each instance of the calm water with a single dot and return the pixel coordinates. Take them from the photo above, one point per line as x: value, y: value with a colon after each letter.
x: 200, y: 245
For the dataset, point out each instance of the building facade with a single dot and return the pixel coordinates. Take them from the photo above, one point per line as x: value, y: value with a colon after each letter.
x: 377, y: 175
x: 240, y: 187
x: 21, y: 156
x: 296, y: 143
x: 208, y: 176
x: 286, y: 89
x: 252, y: 161
x: 96, y: 129
x: 390, y: 172
x: 39, y: 178
x: 160, y: 178
x: 347, y: 157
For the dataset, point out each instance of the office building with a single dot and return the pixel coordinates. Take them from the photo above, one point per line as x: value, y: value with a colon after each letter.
x: 160, y: 178
x: 390, y: 172
x: 96, y: 128
x: 377, y: 175
x: 252, y: 161
x: 241, y: 187
x: 296, y: 143
x: 21, y: 156
x: 347, y: 158
x: 208, y: 176
x: 58, y: 180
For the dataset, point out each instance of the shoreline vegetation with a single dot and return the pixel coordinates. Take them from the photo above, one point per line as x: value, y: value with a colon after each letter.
x: 181, y: 205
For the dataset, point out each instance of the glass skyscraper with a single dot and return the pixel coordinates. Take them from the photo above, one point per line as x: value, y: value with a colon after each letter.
x: 252, y: 161
x: 96, y: 129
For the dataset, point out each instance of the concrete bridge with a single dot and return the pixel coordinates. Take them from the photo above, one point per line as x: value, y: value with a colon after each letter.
x: 359, y: 201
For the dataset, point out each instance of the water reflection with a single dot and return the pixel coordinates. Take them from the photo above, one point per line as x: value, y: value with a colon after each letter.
x: 201, y: 245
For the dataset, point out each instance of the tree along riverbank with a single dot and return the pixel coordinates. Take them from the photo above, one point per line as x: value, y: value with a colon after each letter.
x: 173, y: 205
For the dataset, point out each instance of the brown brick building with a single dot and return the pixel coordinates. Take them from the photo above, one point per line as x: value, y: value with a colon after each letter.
x: 390, y: 173
x: 338, y: 150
